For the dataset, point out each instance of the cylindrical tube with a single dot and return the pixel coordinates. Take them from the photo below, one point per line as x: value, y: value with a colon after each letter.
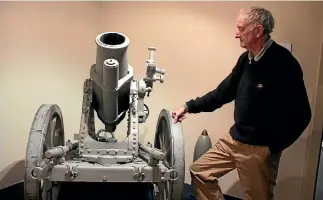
x: 155, y: 153
x: 60, y: 150
x: 152, y: 53
x: 160, y: 70
x: 110, y: 74
x: 56, y: 152
x: 111, y: 95
x: 112, y: 45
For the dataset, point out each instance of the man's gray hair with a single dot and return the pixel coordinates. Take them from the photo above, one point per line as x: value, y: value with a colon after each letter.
x: 259, y: 16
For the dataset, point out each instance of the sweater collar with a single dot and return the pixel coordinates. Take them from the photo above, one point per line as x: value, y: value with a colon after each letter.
x: 262, y: 51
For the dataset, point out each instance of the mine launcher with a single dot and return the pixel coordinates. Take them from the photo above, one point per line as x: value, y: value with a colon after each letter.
x: 112, y: 92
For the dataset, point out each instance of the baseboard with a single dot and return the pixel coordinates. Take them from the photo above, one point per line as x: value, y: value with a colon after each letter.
x: 16, y: 192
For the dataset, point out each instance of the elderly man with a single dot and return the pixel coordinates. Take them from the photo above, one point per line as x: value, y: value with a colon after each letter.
x: 271, y: 112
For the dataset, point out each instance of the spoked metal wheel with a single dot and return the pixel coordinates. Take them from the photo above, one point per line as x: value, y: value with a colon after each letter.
x: 47, y: 131
x: 169, y: 139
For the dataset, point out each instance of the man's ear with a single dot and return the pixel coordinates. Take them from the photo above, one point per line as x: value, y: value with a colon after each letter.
x: 259, y: 30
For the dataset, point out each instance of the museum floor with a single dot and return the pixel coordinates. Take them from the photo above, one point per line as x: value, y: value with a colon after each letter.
x: 99, y: 191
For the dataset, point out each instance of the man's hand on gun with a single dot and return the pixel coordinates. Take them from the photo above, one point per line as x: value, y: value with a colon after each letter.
x: 179, y: 114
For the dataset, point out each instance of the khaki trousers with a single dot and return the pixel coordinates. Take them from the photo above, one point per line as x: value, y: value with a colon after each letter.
x: 257, y: 169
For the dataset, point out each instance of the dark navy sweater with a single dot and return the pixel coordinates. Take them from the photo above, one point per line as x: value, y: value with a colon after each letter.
x: 271, y: 103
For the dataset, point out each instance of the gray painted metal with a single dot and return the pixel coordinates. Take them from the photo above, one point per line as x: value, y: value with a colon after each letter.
x: 47, y: 131
x: 169, y: 138
x: 138, y: 171
x: 202, y: 145
x: 113, y: 94
x: 111, y: 77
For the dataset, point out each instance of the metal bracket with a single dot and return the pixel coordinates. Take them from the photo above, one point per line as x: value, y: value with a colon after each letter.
x: 170, y: 175
x: 139, y: 173
x: 43, y: 171
x: 71, y: 172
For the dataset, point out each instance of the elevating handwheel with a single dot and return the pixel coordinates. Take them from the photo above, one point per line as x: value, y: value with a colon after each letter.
x: 169, y: 139
x: 47, y: 131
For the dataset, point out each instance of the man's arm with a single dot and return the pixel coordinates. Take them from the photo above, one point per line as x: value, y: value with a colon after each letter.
x: 297, y: 110
x: 224, y: 93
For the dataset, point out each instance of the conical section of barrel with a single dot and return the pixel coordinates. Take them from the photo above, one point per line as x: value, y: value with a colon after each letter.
x: 202, y: 145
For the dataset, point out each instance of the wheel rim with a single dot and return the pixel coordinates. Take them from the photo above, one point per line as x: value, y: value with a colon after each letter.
x: 169, y: 138
x: 47, y: 131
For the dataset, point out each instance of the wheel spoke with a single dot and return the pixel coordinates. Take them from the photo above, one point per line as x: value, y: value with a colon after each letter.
x: 49, y: 135
x: 161, y: 144
x: 48, y: 121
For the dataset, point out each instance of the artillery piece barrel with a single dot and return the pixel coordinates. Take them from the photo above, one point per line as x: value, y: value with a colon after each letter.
x: 111, y: 75
x: 153, y: 152
x: 112, y: 45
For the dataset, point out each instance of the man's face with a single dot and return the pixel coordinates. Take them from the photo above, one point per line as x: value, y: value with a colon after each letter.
x: 245, y: 32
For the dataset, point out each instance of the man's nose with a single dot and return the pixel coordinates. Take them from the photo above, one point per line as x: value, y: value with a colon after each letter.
x: 237, y: 35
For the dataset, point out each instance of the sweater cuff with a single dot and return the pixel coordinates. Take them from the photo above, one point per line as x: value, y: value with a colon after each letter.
x: 190, y: 106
